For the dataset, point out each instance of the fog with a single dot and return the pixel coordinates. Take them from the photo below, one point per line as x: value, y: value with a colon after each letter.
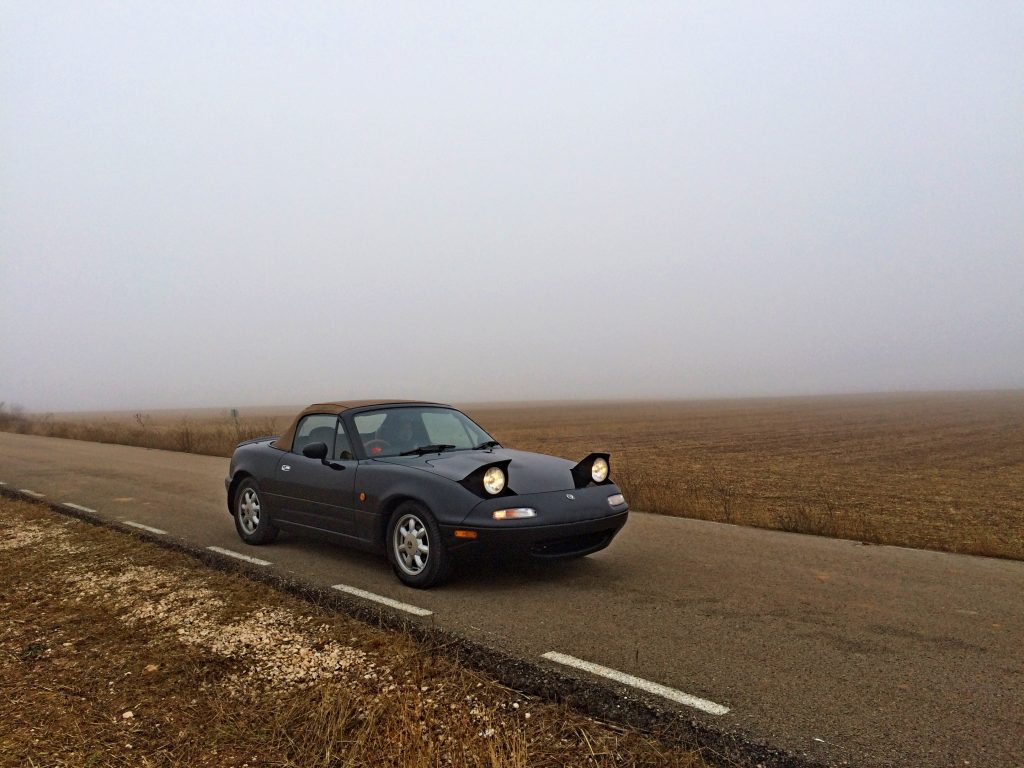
x: 254, y: 203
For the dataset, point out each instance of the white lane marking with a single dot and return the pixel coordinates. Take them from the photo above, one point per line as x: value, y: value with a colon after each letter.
x: 384, y: 600
x: 240, y: 556
x: 638, y: 682
x: 143, y: 527
x: 33, y: 494
x: 79, y: 507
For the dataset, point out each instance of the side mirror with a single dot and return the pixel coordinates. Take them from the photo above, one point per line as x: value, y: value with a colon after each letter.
x: 315, y: 451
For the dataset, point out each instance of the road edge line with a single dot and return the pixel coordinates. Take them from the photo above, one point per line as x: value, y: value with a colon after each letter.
x: 665, y: 691
x: 397, y: 604
x: 79, y: 507
x: 141, y: 527
x: 240, y: 556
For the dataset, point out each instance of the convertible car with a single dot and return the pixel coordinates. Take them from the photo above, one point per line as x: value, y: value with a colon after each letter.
x: 420, y: 482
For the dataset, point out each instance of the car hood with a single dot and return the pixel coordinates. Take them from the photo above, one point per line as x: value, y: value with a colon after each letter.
x: 527, y: 472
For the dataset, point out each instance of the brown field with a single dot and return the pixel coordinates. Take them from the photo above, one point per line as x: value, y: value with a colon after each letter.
x: 114, y: 652
x: 936, y: 471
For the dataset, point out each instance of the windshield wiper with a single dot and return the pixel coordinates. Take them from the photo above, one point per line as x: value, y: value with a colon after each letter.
x: 487, y: 444
x: 427, y: 449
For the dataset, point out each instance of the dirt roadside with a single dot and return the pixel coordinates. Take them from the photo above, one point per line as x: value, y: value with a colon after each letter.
x: 116, y: 652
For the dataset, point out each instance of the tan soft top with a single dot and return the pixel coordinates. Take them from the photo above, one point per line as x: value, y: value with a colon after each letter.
x: 284, y: 442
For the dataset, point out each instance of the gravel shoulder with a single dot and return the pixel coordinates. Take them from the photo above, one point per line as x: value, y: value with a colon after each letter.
x: 117, y: 652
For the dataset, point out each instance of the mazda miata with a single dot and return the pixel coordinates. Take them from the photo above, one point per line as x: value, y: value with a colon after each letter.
x: 420, y: 482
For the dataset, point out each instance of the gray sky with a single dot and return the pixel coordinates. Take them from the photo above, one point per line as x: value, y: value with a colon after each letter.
x: 245, y: 203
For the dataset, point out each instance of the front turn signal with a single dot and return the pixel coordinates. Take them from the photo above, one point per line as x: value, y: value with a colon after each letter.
x: 516, y: 513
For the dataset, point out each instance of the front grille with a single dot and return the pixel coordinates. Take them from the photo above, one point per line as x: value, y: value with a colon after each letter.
x: 570, y: 545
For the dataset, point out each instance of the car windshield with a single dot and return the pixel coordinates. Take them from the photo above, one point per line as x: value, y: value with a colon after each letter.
x: 418, y: 429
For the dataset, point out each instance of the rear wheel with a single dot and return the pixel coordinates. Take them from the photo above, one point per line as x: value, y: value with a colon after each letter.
x: 251, y: 519
x: 415, y: 549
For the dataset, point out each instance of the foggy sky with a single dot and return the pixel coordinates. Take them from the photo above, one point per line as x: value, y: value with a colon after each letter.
x: 243, y: 203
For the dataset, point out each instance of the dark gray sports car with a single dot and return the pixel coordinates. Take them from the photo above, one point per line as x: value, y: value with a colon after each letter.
x: 420, y: 481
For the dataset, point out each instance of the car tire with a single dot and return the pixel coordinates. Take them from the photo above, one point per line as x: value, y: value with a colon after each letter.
x: 251, y: 519
x: 415, y: 548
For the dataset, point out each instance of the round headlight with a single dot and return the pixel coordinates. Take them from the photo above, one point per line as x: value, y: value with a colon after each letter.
x: 494, y: 481
x: 599, y: 470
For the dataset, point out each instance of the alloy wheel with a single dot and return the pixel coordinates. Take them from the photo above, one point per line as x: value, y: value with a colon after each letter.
x: 411, y: 544
x: 249, y: 511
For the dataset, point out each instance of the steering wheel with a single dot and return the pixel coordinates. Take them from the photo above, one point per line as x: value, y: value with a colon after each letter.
x: 376, y: 446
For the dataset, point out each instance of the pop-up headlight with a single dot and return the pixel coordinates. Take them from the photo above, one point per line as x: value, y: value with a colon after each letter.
x: 593, y: 469
x: 494, y: 481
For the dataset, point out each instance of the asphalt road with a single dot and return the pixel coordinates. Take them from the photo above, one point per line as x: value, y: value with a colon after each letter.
x: 844, y: 652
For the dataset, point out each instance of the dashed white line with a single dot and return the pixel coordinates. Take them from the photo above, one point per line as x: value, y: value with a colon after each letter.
x: 143, y: 527
x: 79, y: 507
x: 240, y: 556
x: 638, y: 682
x: 33, y: 494
x: 383, y: 600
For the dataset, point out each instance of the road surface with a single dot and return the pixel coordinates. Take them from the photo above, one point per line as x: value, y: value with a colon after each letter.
x: 873, y: 655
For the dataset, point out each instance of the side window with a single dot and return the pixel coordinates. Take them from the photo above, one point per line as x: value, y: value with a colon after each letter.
x: 342, y: 447
x: 316, y: 428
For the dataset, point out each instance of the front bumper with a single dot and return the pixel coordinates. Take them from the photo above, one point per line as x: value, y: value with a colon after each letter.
x: 568, y: 524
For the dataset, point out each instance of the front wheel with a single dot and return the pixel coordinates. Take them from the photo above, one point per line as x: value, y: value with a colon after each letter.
x: 251, y: 519
x: 415, y: 549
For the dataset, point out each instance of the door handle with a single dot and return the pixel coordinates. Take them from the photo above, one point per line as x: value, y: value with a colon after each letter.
x: 286, y: 467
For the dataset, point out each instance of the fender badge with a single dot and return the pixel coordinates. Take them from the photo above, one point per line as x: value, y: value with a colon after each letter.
x: 570, y: 497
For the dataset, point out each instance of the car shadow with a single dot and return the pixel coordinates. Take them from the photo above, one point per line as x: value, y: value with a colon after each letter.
x: 475, y: 573
x: 324, y: 547
x: 472, y: 572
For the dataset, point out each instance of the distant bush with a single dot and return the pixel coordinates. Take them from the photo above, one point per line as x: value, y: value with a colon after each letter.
x: 12, y: 418
x: 210, y: 437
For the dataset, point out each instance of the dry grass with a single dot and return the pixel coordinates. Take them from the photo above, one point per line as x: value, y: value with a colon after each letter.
x: 115, y: 653
x: 210, y: 435
x: 940, y: 471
